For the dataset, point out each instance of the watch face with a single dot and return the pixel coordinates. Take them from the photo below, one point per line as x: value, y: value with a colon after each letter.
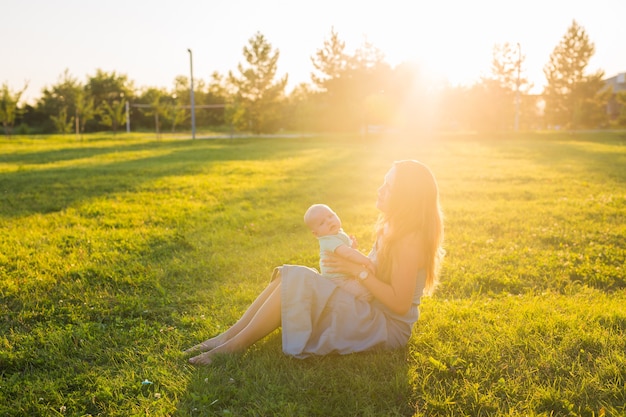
x: 363, y: 274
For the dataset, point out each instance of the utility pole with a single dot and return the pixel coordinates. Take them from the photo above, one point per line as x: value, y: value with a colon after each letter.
x: 193, y: 104
x: 127, y: 117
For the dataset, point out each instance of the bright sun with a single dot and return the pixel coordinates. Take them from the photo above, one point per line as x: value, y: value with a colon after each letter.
x: 448, y: 47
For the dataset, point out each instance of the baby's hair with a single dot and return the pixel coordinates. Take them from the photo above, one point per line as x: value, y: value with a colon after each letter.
x: 311, y: 210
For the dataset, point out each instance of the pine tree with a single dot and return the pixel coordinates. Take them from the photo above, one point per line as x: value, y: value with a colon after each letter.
x: 495, y: 97
x: 331, y: 62
x: 258, y: 96
x: 349, y: 86
x: 85, y: 111
x: 8, y: 106
x: 574, y: 99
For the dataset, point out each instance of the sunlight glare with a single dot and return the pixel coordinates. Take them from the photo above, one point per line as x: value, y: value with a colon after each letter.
x: 449, y: 47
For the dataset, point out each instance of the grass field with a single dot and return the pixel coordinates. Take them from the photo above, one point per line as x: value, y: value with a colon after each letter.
x: 119, y: 252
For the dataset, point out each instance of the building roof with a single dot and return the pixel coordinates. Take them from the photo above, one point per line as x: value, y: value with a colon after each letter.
x: 618, y: 82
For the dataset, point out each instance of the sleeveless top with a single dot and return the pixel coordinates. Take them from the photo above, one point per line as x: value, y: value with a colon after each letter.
x: 413, y: 313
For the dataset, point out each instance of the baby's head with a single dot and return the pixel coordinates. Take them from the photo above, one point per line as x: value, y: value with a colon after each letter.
x: 322, y: 220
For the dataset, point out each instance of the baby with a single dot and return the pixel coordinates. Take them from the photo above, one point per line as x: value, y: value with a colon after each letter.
x: 326, y: 226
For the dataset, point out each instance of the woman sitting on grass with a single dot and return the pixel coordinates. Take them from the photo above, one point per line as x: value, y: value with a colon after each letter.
x: 318, y: 317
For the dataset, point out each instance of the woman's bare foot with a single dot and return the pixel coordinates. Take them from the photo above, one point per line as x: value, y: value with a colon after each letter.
x: 206, y: 346
x: 203, y: 359
x: 206, y: 358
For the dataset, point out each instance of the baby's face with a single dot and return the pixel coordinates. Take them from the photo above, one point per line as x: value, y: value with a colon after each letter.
x: 325, y: 222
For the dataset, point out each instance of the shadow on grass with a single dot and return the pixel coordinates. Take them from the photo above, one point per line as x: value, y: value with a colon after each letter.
x: 596, y: 154
x: 132, y: 287
x: 264, y: 381
x: 74, y: 151
x: 45, y: 190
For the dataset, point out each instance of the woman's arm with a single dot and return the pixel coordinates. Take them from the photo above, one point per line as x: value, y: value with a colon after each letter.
x: 397, y: 295
x: 355, y: 256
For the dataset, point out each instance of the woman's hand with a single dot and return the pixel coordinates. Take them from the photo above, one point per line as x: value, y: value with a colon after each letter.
x: 339, y: 264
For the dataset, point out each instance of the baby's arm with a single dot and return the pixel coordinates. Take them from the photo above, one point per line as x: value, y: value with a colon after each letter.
x: 355, y: 256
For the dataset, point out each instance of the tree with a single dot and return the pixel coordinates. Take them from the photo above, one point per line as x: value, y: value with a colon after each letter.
x: 175, y: 114
x: 8, y: 106
x: 109, y: 90
x: 218, y: 94
x: 210, y: 99
x: 495, y: 97
x: 85, y: 111
x: 331, y: 98
x: 58, y: 99
x: 300, y: 112
x: 331, y: 62
x: 219, y: 89
x: 158, y: 107
x: 180, y: 110
x: 620, y: 97
x: 574, y: 99
x: 368, y: 80
x: 113, y: 115
x: 61, y: 123
x: 351, y: 90
x: 32, y: 120
x: 258, y: 96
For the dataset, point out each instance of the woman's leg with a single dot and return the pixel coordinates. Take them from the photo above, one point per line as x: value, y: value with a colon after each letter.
x: 241, y: 323
x: 265, y: 320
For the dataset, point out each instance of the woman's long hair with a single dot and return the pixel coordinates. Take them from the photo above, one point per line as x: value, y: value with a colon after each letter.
x: 412, y: 209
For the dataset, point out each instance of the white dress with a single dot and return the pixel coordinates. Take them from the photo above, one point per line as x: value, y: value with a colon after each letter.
x: 320, y: 318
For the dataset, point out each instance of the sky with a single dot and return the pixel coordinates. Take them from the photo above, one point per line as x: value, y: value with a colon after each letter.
x: 148, y: 40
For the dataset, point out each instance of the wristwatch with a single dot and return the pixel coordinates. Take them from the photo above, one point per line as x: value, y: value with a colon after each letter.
x: 363, y: 275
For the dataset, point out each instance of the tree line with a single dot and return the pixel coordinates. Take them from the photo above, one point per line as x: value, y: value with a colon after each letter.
x: 347, y: 92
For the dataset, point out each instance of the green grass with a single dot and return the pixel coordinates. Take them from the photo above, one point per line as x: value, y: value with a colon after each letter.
x: 117, y: 252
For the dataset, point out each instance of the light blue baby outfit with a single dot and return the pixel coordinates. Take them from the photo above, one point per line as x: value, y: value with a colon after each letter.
x: 331, y: 243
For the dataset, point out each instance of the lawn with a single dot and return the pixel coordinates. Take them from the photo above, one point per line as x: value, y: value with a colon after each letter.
x: 118, y: 252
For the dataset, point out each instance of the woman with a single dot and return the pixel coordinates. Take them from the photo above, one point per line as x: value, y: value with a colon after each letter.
x: 318, y: 317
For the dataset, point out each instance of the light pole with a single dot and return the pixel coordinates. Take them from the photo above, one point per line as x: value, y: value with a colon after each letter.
x: 193, y: 103
x: 517, y: 98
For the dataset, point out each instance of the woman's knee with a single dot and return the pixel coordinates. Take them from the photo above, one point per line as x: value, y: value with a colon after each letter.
x: 276, y: 275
